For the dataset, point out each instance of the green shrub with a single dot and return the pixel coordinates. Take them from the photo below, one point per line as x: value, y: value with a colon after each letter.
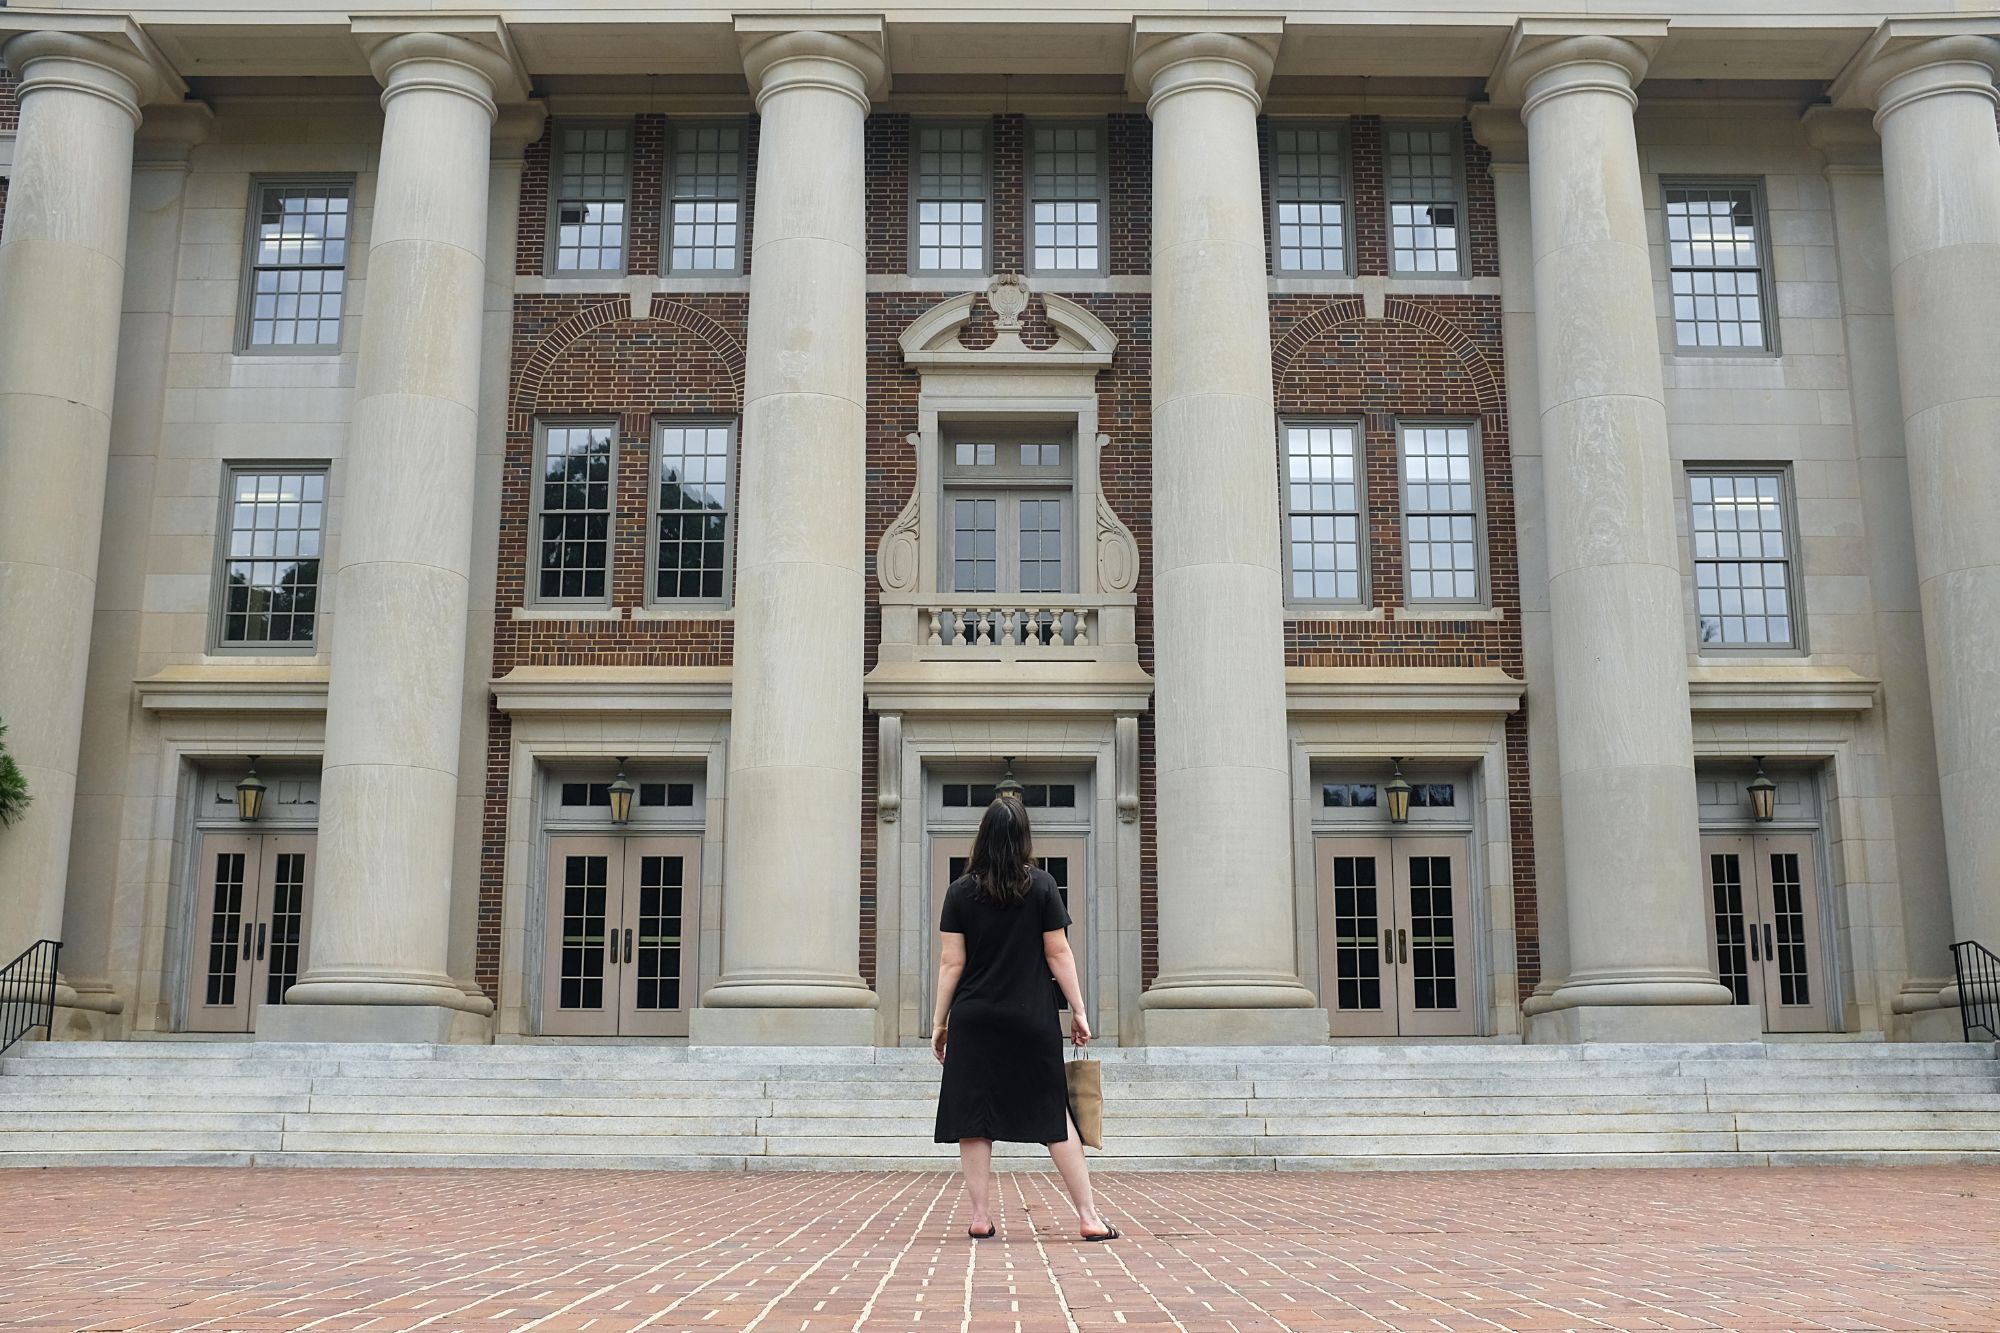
x: 14, y: 796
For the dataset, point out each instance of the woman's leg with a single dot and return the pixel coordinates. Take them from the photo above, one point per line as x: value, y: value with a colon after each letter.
x: 1075, y: 1172
x: 975, y: 1160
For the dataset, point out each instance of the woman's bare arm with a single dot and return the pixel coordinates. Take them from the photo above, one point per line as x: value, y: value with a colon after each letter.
x: 951, y: 965
x: 1062, y: 966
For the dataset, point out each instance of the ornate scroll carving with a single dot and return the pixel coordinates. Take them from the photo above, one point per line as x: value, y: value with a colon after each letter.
x: 1117, y: 552
x: 897, y: 555
x: 889, y: 765
x: 1125, y: 743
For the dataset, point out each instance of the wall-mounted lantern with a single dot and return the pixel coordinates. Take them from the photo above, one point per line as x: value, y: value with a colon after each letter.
x: 250, y: 794
x: 1763, y: 795
x: 1009, y: 785
x: 621, y: 793
x: 1397, y: 792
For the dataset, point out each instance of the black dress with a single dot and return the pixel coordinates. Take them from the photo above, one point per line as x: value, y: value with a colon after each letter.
x: 1003, y: 1059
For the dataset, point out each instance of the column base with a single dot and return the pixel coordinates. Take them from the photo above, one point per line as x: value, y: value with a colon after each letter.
x: 431, y: 1023
x: 1646, y: 1022
x: 1936, y: 1025
x: 774, y: 1026
x: 1234, y: 1027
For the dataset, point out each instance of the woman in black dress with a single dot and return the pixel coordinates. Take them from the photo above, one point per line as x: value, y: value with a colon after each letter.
x: 997, y: 1029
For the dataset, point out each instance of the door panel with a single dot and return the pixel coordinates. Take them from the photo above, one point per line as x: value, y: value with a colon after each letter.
x: 577, y: 995
x: 253, y: 916
x: 1765, y: 942
x: 662, y: 881
x: 1395, y: 942
x: 1065, y: 860
x: 1433, y: 976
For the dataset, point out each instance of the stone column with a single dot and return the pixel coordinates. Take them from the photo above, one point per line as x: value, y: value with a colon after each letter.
x: 377, y: 959
x: 1506, y: 139
x: 62, y: 280
x: 1860, y: 222
x: 791, y: 893
x: 1227, y: 921
x: 1638, y: 923
x: 1933, y: 94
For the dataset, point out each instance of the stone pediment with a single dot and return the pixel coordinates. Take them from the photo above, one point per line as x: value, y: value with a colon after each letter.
x: 1082, y: 340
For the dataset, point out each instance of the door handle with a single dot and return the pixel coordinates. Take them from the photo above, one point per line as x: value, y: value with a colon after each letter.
x: 611, y: 949
x: 1769, y: 952
x: 260, y: 941
x: 1403, y: 942
x: 1388, y: 947
x: 246, y: 942
x: 628, y: 944
x: 1753, y: 943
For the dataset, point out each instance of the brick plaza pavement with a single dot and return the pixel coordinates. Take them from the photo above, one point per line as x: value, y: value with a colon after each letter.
x: 335, y: 1249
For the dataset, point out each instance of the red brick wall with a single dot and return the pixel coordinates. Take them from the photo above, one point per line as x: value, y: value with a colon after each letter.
x: 1429, y: 356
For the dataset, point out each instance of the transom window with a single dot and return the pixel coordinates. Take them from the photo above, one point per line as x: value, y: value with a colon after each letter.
x: 1034, y: 795
x: 573, y: 539
x: 662, y: 795
x: 705, y: 198
x: 593, y: 183
x: 1441, y: 513
x: 1424, y: 199
x: 298, y: 266
x: 270, y: 557
x: 691, y: 561
x: 1309, y: 193
x: 1066, y: 199
x: 1010, y: 508
x: 1743, y: 578
x: 1323, y: 511
x: 950, y: 185
x: 1715, y: 258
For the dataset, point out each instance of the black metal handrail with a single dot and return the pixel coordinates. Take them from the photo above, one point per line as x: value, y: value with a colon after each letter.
x: 28, y: 992
x: 1978, y: 970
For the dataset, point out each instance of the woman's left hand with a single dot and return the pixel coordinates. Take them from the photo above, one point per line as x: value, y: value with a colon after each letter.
x: 937, y: 1042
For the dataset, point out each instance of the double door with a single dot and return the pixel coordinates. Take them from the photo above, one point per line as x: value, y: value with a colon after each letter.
x: 1763, y: 893
x: 253, y: 911
x: 619, y: 933
x: 1395, y: 956
x: 1065, y: 861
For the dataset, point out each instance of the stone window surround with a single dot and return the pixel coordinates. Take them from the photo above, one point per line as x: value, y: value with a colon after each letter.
x: 1338, y: 718
x: 917, y: 126
x: 1766, y: 263
x: 217, y: 646
x: 1801, y: 645
x: 246, y: 282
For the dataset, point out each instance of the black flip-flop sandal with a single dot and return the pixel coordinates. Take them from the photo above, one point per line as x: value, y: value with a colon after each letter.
x: 987, y: 1234
x: 1109, y: 1235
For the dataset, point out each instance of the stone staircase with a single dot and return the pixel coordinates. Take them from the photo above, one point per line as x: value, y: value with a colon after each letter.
x: 675, y: 1107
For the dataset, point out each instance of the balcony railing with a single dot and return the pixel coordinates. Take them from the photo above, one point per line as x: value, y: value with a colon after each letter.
x: 954, y: 627
x: 1036, y: 625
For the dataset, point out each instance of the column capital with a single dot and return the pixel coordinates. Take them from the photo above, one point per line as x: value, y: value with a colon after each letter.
x: 169, y: 133
x: 1500, y: 130
x: 1547, y: 57
x: 104, y: 55
x: 471, y: 56
x: 1845, y: 137
x: 844, y: 53
x: 518, y: 125
x: 1173, y: 55
x: 1907, y: 60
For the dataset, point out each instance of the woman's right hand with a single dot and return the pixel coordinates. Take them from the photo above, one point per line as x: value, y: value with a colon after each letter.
x: 1079, y: 1029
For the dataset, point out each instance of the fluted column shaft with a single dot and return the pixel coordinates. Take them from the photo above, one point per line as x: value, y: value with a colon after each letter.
x: 62, y: 278
x: 1227, y: 932
x: 1941, y: 176
x: 1630, y: 842
x: 401, y: 579
x: 792, y: 855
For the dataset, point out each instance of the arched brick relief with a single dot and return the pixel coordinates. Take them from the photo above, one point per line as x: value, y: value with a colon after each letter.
x: 1442, y: 328
x: 634, y: 357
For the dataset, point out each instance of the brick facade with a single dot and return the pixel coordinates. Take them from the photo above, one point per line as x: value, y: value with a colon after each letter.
x: 582, y: 355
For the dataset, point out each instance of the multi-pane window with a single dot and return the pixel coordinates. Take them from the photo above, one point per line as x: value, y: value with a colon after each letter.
x: 1066, y: 199
x: 1715, y: 257
x: 573, y: 538
x: 1309, y: 194
x: 705, y: 198
x: 593, y: 181
x: 271, y: 555
x: 951, y: 198
x: 1323, y: 511
x: 1009, y: 507
x: 1424, y: 200
x: 692, y: 515
x: 298, y: 266
x: 1441, y: 521
x: 1743, y: 577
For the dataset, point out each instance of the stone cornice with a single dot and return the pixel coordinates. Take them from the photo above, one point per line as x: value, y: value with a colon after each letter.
x: 612, y: 690
x: 1464, y: 691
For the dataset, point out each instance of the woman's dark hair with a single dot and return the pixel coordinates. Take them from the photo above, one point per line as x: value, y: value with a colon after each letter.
x: 1002, y: 851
